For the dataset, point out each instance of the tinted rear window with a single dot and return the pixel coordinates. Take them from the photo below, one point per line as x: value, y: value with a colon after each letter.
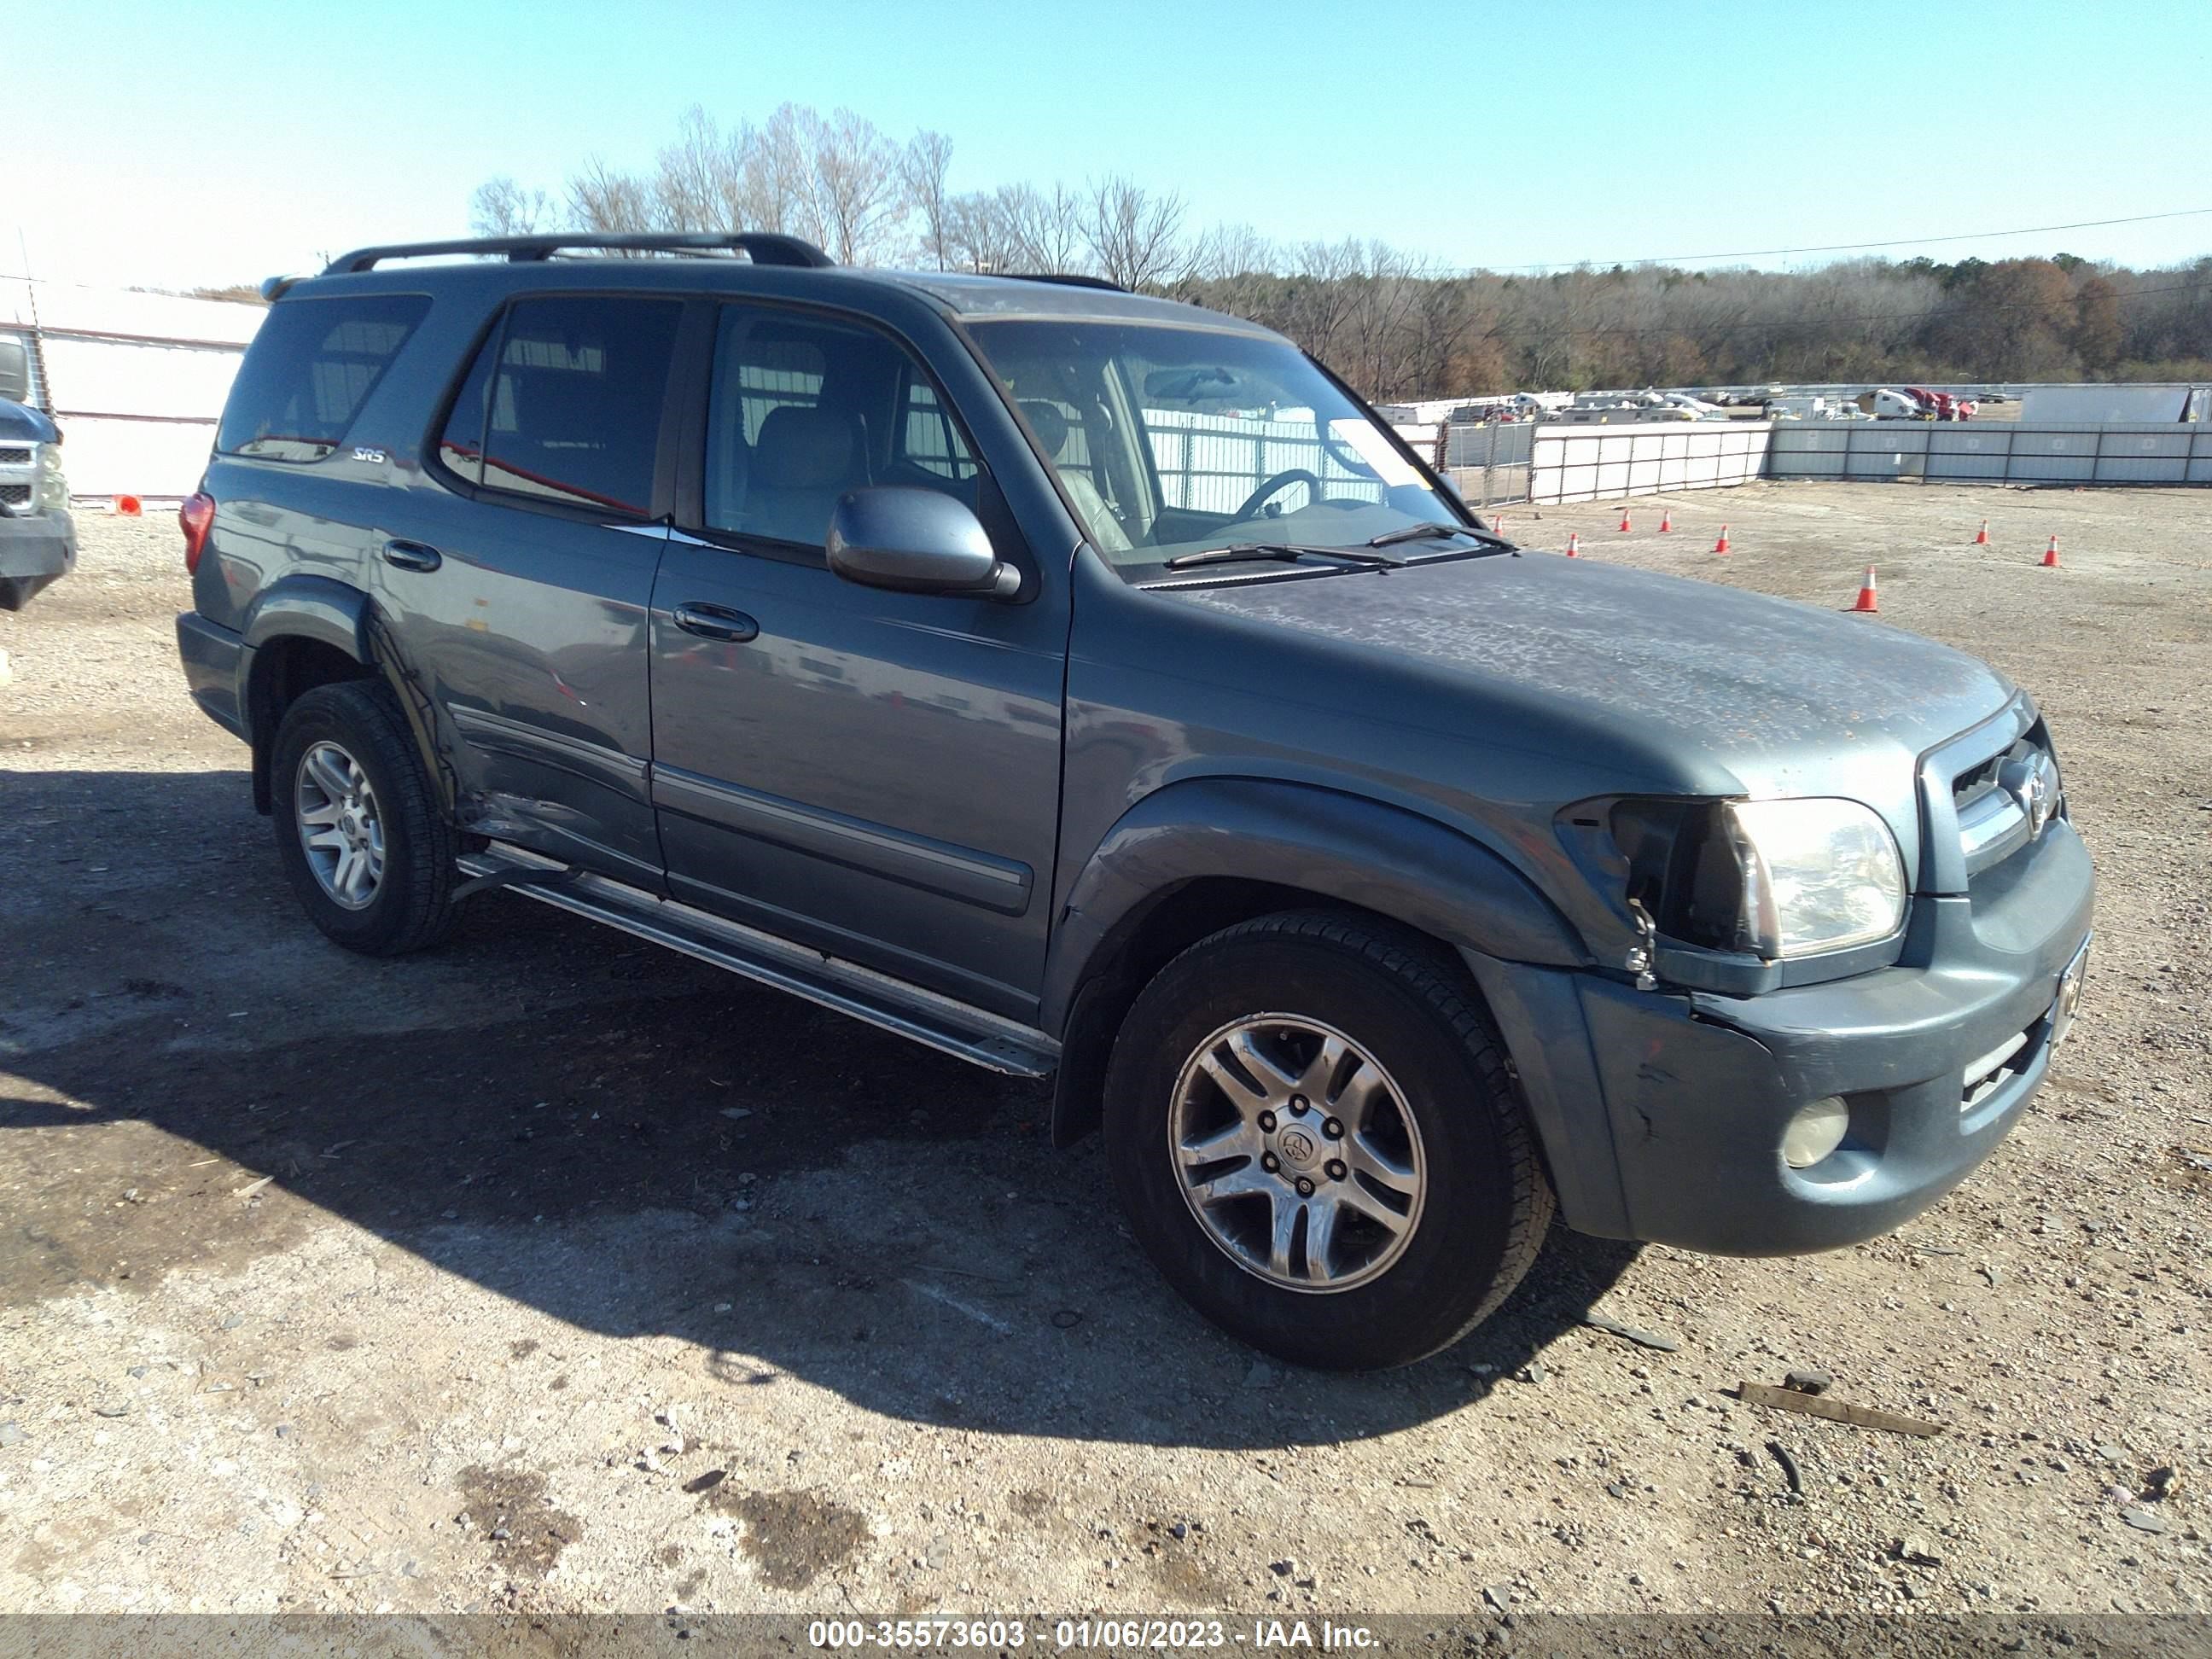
x: 571, y: 413
x: 310, y: 370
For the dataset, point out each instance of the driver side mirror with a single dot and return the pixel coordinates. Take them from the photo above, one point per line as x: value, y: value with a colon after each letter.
x: 915, y: 540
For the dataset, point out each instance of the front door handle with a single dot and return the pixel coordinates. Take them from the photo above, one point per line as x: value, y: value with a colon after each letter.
x: 716, y: 622
x: 412, y: 556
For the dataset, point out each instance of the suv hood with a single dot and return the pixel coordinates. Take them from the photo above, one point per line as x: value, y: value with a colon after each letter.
x: 1747, y: 693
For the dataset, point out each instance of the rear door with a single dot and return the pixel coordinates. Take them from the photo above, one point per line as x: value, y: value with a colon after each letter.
x: 520, y: 599
x: 875, y: 774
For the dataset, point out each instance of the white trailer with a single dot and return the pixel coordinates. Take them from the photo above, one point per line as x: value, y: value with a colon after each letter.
x: 2171, y: 400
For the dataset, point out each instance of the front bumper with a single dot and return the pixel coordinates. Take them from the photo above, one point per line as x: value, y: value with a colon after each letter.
x: 36, y: 549
x: 1674, y: 1133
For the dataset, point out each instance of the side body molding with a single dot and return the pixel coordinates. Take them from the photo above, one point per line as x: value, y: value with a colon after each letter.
x: 1340, y: 846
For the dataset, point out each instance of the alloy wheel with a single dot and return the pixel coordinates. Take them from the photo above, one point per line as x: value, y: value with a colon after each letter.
x: 340, y: 828
x: 1297, y: 1152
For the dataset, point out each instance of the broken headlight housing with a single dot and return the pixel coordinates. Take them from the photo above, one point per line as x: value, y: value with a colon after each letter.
x: 1775, y: 878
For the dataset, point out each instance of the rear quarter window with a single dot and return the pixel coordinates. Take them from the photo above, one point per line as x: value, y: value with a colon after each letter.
x: 309, y: 370
x: 562, y: 404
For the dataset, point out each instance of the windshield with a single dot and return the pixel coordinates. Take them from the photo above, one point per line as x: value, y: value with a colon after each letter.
x: 1171, y: 441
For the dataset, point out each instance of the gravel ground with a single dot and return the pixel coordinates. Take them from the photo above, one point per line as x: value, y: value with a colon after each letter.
x: 552, y: 1273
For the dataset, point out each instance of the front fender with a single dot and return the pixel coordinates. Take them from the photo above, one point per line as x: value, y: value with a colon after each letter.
x: 1321, y: 840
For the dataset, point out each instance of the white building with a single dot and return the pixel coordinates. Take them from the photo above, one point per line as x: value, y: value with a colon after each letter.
x: 135, y: 381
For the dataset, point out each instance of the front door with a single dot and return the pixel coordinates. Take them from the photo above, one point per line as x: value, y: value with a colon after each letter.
x: 874, y: 774
x: 519, y: 590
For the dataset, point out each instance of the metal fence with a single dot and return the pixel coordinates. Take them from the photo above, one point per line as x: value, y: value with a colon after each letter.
x: 2010, y: 452
x: 1597, y: 462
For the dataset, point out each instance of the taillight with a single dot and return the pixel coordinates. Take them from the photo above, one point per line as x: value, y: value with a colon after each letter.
x: 196, y: 518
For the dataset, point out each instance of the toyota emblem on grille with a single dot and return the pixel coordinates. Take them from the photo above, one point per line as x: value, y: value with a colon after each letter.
x: 2030, y: 781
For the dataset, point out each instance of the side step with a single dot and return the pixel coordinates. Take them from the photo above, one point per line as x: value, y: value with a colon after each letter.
x: 973, y: 1034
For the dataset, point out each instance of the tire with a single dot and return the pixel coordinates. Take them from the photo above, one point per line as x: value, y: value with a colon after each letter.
x: 353, y: 731
x: 1435, y: 1134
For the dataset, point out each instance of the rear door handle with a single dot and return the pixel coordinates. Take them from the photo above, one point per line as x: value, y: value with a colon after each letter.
x: 412, y: 556
x: 716, y: 622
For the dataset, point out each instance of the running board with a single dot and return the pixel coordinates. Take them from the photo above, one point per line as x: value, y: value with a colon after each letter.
x: 957, y: 1028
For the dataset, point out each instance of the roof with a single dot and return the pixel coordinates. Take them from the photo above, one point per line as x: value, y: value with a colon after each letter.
x: 985, y: 297
x: 778, y: 264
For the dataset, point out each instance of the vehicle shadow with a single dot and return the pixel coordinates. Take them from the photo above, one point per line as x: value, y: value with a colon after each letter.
x: 611, y: 1134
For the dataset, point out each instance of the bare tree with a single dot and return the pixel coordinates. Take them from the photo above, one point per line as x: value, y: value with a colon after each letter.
x: 855, y: 187
x: 1321, y: 295
x: 779, y: 179
x: 1134, y: 236
x: 923, y: 168
x: 1047, y: 230
x: 979, y: 235
x: 603, y: 199
x: 701, y: 181
x: 500, y: 207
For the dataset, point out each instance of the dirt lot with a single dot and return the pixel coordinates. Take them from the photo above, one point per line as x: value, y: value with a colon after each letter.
x: 553, y: 1272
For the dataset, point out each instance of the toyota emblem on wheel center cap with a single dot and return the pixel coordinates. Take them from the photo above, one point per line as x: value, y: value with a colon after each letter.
x: 1296, y: 1148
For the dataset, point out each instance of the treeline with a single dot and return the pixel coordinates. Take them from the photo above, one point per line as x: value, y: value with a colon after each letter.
x: 1396, y: 326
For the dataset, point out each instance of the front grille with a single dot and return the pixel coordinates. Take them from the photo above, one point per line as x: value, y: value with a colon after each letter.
x: 14, y: 455
x: 14, y: 494
x: 1995, y: 801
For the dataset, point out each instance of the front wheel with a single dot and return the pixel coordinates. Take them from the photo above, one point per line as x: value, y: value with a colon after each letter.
x: 1315, y: 1135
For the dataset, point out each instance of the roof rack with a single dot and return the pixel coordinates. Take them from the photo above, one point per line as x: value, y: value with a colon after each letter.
x: 762, y: 247
x: 1066, y: 279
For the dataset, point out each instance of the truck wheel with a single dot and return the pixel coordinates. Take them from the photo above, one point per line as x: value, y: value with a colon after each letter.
x: 1315, y: 1135
x: 358, y: 825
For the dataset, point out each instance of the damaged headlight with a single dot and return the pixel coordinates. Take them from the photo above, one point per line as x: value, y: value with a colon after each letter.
x: 1774, y: 878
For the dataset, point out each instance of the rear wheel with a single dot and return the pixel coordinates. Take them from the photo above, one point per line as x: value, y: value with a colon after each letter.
x: 1315, y: 1135
x: 358, y: 826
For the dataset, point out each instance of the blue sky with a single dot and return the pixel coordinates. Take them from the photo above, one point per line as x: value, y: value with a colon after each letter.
x: 196, y: 141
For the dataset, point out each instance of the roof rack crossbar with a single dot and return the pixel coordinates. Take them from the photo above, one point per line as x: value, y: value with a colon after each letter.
x: 1067, y: 279
x: 762, y: 247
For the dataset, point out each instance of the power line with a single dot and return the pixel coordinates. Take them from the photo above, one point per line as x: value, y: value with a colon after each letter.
x: 1848, y: 247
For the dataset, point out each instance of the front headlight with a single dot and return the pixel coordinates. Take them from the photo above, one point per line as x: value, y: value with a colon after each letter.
x: 54, y: 488
x: 1819, y: 875
x: 1772, y: 879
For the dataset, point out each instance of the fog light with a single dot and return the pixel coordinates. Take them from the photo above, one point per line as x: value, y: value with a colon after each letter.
x: 1815, y: 1131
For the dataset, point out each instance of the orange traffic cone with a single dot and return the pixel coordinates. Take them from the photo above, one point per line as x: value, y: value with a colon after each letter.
x: 1982, y: 536
x: 1866, y: 599
x: 128, y: 506
x: 1574, y: 545
x: 1721, y: 546
x: 1665, y: 520
x: 2051, y: 555
x: 1623, y: 518
x: 1497, y: 523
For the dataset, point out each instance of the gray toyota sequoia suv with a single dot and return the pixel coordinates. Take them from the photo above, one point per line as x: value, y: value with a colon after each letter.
x: 1088, y: 685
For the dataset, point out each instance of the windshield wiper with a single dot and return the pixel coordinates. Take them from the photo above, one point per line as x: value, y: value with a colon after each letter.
x: 1413, y: 532
x: 1287, y: 552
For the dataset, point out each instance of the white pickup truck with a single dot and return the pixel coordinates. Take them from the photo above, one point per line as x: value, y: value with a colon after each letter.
x: 37, y: 538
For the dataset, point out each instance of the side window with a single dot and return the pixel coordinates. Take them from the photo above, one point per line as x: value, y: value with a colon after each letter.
x: 927, y: 439
x: 804, y: 409
x: 311, y: 367
x: 567, y: 396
